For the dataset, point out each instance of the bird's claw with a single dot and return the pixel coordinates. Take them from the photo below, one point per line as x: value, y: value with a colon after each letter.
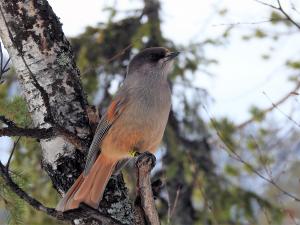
x: 145, y: 158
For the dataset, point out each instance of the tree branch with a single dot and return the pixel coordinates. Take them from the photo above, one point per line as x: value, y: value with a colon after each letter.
x: 38, y: 133
x: 266, y: 4
x: 21, y: 193
x: 144, y: 165
x: 41, y: 133
x: 82, y: 212
x: 12, y: 152
x: 73, y: 138
x: 279, y: 8
x: 6, y: 121
x: 269, y: 109
x: 287, y: 15
x: 232, y: 153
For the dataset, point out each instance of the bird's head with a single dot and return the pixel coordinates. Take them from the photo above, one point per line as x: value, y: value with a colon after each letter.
x: 155, y: 61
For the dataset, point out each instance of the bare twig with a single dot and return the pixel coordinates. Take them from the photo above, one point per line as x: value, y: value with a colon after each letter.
x: 144, y: 165
x: 209, y: 206
x: 233, y: 154
x: 283, y: 113
x: 283, y: 99
x: 287, y: 15
x: 263, y: 160
x: 248, y: 23
x: 12, y: 152
x: 266, y: 4
x: 119, y: 54
x: 175, y: 202
x: 273, y: 106
x: 280, y: 8
x: 108, y: 61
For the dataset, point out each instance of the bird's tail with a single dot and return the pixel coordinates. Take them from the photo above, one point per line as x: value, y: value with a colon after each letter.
x: 89, y: 188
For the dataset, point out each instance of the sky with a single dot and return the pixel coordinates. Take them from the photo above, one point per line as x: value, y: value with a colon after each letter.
x: 241, y: 76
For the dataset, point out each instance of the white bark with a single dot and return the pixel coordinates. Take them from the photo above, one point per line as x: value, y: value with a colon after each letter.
x: 38, y: 48
x: 45, y: 66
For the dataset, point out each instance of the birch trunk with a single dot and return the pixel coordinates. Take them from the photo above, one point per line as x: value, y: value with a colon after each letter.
x: 43, y: 59
x: 33, y: 37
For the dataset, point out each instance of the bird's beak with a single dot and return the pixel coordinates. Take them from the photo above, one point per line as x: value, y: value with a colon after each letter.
x: 171, y: 55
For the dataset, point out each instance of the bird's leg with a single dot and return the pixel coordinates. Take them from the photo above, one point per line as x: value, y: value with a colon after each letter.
x: 145, y: 158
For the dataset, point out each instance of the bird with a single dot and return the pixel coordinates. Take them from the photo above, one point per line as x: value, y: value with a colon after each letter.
x: 134, y: 122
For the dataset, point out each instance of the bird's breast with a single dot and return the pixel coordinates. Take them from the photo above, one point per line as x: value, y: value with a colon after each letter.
x: 140, y: 127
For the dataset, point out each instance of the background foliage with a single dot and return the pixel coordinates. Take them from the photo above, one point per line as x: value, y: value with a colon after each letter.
x: 203, y: 161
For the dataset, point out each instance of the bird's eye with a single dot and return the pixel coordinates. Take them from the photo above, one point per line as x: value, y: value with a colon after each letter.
x: 157, y: 56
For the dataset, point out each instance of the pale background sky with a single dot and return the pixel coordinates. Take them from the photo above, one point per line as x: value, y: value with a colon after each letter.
x: 241, y: 75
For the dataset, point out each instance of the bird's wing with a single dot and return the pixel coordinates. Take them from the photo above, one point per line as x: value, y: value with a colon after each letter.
x: 113, y: 112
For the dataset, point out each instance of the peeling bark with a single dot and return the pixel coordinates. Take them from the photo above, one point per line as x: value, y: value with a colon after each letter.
x: 33, y: 37
x: 51, y: 86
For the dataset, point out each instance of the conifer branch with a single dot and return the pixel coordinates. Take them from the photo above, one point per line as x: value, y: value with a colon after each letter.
x: 83, y: 212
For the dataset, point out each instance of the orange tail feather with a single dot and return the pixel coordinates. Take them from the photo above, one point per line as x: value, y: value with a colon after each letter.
x: 89, y: 189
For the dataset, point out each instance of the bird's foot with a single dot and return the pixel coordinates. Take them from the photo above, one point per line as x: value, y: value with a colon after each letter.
x: 145, y: 159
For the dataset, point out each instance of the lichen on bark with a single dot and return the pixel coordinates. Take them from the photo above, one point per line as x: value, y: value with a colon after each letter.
x: 44, y: 60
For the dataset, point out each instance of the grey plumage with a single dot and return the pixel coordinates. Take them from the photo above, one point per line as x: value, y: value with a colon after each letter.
x: 137, y: 92
x: 135, y: 120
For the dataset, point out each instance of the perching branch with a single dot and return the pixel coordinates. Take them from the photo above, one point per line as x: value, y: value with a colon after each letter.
x: 145, y: 163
